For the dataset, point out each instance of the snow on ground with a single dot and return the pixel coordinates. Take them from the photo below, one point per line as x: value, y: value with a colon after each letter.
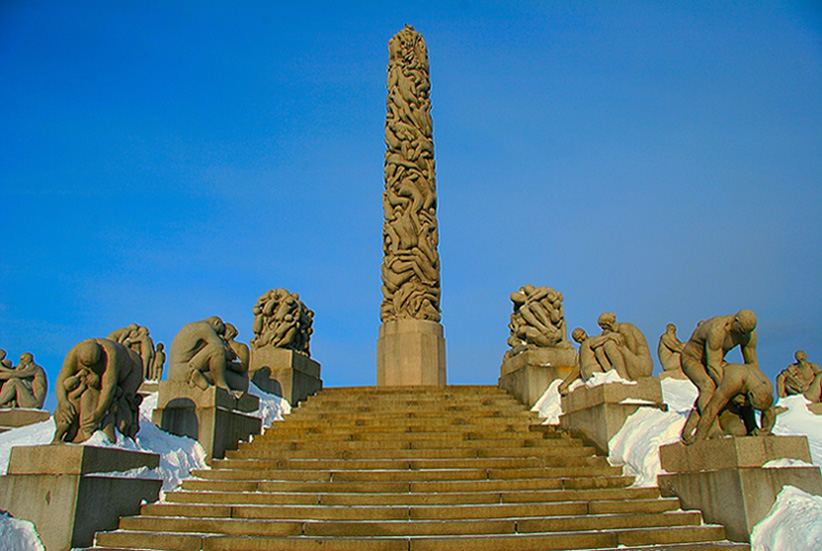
x: 18, y: 535
x: 794, y: 523
x: 798, y: 420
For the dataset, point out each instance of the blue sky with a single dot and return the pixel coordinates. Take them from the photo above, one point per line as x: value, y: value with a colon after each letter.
x: 164, y: 162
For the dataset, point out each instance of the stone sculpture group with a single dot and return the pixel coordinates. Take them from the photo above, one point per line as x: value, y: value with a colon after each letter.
x: 282, y: 320
x: 537, y: 320
x: 24, y: 385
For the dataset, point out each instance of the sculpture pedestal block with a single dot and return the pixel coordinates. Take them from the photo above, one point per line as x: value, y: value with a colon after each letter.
x: 528, y: 375
x: 212, y: 417
x: 411, y: 352
x: 148, y: 387
x: 816, y: 409
x: 725, y: 479
x: 70, y: 492
x: 599, y: 412
x: 285, y: 373
x: 19, y: 417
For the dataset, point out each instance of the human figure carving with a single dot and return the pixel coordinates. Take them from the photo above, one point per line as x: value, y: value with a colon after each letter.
x: 201, y: 356
x: 97, y: 389
x: 585, y: 364
x: 239, y: 348
x: 669, y: 350
x: 410, y: 269
x: 742, y: 390
x: 537, y: 320
x: 4, y: 362
x: 622, y: 346
x: 24, y: 386
x: 802, y: 377
x: 704, y: 354
x: 137, y: 338
x: 282, y: 320
x: 158, y: 363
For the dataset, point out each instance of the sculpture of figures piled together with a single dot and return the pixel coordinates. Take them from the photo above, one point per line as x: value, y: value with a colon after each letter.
x: 136, y: 337
x: 620, y: 347
x: 411, y: 267
x: 202, y: 356
x: 97, y: 389
x: 537, y: 320
x: 22, y: 386
x: 282, y: 320
x: 729, y: 393
x: 802, y: 377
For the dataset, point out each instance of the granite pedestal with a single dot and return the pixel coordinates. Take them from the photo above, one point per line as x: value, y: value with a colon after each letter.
x: 411, y: 353
x: 70, y: 492
x: 597, y: 413
x: 285, y: 373
x: 725, y: 478
x: 20, y: 417
x: 212, y: 417
x: 528, y: 375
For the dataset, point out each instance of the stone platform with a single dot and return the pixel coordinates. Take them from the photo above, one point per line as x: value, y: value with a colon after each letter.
x: 725, y: 478
x: 528, y: 375
x: 20, y: 417
x: 597, y: 413
x: 285, y: 373
x: 70, y: 491
x: 411, y: 353
x: 212, y: 417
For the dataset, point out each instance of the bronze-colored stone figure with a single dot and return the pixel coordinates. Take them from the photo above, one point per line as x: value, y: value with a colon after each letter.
x: 239, y: 348
x: 137, y: 338
x: 669, y: 350
x: 156, y: 372
x: 537, y: 321
x: 5, y: 362
x: 703, y: 357
x: 622, y: 346
x: 97, y: 389
x: 743, y: 390
x: 802, y: 377
x: 282, y: 320
x: 201, y: 356
x: 24, y: 386
x: 585, y: 364
x: 411, y: 266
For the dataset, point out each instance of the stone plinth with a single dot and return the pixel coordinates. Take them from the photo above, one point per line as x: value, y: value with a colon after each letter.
x: 529, y: 374
x: 599, y: 412
x: 148, y: 387
x: 19, y: 417
x: 725, y: 479
x: 212, y: 417
x: 63, y: 490
x: 816, y: 409
x: 411, y: 352
x: 285, y: 373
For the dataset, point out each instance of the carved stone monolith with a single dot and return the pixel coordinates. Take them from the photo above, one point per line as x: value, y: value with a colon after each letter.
x: 411, y: 347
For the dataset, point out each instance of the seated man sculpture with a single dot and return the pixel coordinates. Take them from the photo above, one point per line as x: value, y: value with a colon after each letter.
x: 97, y: 390
x: 622, y: 347
x: 801, y: 377
x: 703, y: 356
x: 743, y: 389
x: 25, y: 386
x: 201, y: 356
x: 585, y: 364
x: 669, y: 350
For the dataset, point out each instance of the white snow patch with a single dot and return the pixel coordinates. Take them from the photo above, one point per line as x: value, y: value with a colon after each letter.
x: 18, y: 535
x: 611, y: 376
x: 272, y: 408
x: 794, y: 523
x: 786, y: 462
x: 549, y: 405
x: 798, y: 420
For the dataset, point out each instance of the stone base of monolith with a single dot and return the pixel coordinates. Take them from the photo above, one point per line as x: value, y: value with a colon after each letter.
x: 410, y: 353
x: 528, y: 375
x: 728, y: 481
x: 285, y: 373
x: 70, y: 492
x: 19, y: 417
x: 213, y: 417
x: 597, y: 413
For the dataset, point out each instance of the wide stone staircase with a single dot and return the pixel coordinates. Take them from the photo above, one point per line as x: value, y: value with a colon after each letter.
x: 413, y: 468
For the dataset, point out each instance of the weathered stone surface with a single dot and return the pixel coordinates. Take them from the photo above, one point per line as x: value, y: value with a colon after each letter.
x: 286, y: 373
x: 97, y: 389
x: 23, y: 386
x: 669, y: 351
x: 537, y: 321
x: 56, y: 488
x: 282, y: 320
x: 137, y: 338
x: 598, y: 413
x: 801, y: 377
x: 528, y: 374
x: 724, y: 477
x: 213, y: 417
x: 19, y: 417
x: 411, y: 352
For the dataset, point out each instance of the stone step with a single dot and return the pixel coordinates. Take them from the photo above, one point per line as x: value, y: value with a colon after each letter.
x: 275, y: 436
x: 345, y: 452
x: 404, y: 442
x: 404, y: 426
x: 593, y: 539
x: 503, y: 485
x: 600, y: 500
x: 412, y: 464
x: 495, y: 413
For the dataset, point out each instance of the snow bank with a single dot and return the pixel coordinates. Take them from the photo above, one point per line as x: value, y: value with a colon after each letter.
x: 549, y: 404
x: 798, y: 420
x: 18, y: 535
x: 794, y: 523
x: 272, y: 408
